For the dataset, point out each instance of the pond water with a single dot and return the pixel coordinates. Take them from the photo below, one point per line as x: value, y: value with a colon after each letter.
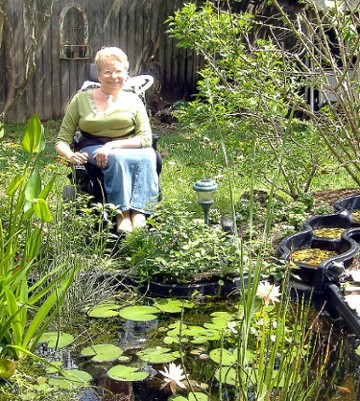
x: 133, y: 336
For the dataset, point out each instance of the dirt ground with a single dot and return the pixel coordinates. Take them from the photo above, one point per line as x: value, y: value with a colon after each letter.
x: 331, y: 196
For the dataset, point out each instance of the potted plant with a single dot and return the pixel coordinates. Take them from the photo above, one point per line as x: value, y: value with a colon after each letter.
x: 180, y: 254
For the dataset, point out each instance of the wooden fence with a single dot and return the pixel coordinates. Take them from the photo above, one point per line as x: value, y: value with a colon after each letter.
x: 77, y: 30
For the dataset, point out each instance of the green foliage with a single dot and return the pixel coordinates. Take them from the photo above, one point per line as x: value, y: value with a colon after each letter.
x: 180, y: 248
x: 28, y: 303
x: 247, y: 96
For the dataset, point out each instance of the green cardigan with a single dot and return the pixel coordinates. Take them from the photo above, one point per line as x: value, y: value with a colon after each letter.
x: 127, y: 118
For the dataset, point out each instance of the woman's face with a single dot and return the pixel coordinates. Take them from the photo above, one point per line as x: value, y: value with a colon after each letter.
x: 112, y: 76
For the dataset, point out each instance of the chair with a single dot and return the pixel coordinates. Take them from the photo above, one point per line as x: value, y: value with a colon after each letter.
x: 88, y: 178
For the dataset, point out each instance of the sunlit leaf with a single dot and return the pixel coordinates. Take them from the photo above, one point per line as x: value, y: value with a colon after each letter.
x: 172, y: 305
x: 104, y: 310
x: 158, y: 355
x: 139, y: 313
x: 223, y: 356
x: 14, y: 185
x: 102, y: 352
x: 227, y: 375
x: 33, y: 186
x: 42, y: 210
x: 56, y: 339
x: 7, y: 368
x: 34, y: 139
x: 70, y: 378
x: 127, y: 373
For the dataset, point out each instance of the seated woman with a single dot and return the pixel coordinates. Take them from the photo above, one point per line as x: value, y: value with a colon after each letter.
x: 116, y: 137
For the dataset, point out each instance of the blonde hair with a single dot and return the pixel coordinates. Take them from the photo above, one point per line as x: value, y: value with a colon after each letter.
x: 111, y: 52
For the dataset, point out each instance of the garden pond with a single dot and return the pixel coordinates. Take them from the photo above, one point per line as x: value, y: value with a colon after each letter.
x: 127, y: 350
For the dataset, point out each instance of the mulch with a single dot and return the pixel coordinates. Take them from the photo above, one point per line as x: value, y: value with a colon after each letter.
x: 329, y: 197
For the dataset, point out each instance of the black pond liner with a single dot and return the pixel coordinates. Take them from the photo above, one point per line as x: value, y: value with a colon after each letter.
x: 217, y: 288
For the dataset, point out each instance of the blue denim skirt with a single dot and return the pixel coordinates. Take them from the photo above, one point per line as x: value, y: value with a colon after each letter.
x: 130, y: 178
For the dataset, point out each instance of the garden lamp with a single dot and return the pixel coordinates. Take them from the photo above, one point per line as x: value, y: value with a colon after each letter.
x: 205, y: 190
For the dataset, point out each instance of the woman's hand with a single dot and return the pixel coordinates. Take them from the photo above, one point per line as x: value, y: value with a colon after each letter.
x: 78, y: 158
x: 101, y: 156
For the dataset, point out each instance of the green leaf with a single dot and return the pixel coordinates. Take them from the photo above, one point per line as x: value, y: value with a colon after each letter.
x: 33, y: 186
x: 70, y: 378
x: 169, y: 305
x: 227, y: 375
x: 34, y: 139
x: 158, y: 355
x: 223, y: 356
x: 127, y: 373
x: 14, y: 185
x: 56, y: 339
x: 7, y: 368
x: 196, y: 396
x: 139, y: 313
x: 104, y: 310
x: 102, y: 352
x: 42, y: 210
x: 2, y: 130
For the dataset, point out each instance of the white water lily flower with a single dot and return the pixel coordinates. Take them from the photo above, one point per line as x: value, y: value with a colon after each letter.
x: 173, y: 377
x: 268, y: 292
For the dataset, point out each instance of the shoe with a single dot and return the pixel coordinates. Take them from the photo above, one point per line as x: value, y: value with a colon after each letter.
x: 124, y: 226
x: 138, y: 221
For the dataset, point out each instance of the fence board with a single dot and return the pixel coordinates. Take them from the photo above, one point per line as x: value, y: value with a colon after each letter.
x: 135, y: 26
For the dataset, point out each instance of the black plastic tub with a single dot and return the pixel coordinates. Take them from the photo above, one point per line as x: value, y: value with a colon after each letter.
x: 346, y: 248
x: 348, y: 205
x: 338, y: 303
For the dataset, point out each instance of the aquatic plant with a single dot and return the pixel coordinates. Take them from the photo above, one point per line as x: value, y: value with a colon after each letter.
x: 29, y: 300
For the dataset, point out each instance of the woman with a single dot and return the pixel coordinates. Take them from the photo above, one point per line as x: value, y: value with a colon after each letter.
x: 116, y: 136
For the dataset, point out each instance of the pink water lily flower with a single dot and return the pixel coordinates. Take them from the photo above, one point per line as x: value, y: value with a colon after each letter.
x: 268, y: 292
x: 173, y: 377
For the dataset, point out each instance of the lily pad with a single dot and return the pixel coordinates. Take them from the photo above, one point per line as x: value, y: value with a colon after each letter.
x: 102, y: 352
x: 139, y: 313
x: 158, y: 355
x: 7, y: 368
x: 192, y: 397
x: 223, y: 356
x: 227, y: 375
x: 172, y: 305
x: 70, y: 378
x: 56, y: 339
x: 127, y: 373
x: 104, y: 310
